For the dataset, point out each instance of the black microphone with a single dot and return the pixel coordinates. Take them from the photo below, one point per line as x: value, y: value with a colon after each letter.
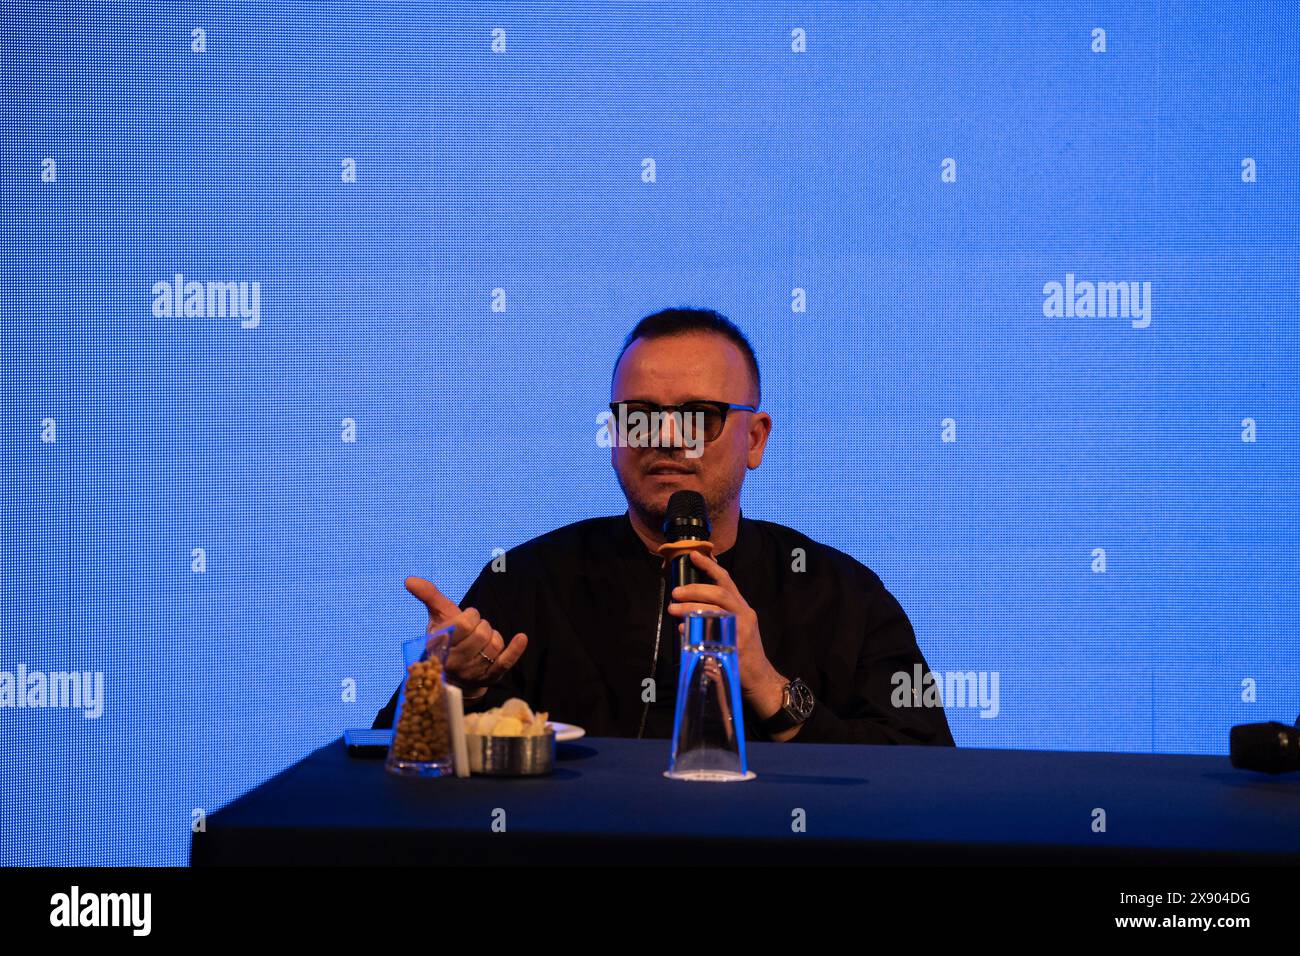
x: 1272, y: 747
x: 686, y: 520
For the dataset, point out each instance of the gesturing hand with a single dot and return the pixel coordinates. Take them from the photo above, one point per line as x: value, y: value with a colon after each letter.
x: 478, y: 655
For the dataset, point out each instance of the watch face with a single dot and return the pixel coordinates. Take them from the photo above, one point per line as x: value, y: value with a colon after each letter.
x: 801, y: 699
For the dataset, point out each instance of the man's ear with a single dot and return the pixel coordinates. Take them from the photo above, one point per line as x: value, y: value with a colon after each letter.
x: 760, y: 427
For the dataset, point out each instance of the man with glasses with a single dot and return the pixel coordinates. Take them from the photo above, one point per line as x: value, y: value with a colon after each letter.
x: 820, y: 641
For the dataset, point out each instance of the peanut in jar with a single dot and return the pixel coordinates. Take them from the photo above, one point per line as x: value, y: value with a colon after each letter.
x: 422, y: 732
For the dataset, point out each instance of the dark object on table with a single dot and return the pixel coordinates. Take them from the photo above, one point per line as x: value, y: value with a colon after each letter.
x: 368, y: 743
x: 1271, y: 748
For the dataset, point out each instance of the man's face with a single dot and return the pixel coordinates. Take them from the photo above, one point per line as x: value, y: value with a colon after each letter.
x: 669, y: 371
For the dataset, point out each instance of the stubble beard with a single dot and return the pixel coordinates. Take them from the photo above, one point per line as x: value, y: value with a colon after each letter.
x: 653, y: 514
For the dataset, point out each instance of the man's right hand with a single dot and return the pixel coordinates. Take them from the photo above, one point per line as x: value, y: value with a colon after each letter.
x: 478, y: 656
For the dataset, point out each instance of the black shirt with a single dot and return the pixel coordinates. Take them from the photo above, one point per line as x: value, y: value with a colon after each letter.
x: 588, y: 596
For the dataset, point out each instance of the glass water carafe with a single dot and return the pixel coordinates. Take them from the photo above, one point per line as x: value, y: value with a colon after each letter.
x: 709, y: 727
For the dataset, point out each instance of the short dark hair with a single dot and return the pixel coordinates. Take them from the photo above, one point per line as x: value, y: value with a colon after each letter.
x: 678, y: 321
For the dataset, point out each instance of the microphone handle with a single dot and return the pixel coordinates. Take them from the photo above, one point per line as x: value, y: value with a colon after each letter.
x: 684, y: 571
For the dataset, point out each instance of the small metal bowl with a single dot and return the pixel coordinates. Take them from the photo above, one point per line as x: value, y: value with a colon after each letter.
x: 511, y: 756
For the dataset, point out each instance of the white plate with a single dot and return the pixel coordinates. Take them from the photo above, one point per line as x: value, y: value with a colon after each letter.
x: 565, y: 731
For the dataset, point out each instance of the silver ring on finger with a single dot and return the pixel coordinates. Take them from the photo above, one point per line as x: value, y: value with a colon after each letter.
x: 490, y: 660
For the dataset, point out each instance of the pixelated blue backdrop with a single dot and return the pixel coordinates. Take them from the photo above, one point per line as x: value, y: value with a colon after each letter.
x: 1022, y: 280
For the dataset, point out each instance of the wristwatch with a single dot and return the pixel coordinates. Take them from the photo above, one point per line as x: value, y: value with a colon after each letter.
x: 796, y: 706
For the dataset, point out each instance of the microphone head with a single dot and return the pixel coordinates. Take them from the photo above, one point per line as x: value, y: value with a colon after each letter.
x: 687, y: 517
x: 1272, y: 748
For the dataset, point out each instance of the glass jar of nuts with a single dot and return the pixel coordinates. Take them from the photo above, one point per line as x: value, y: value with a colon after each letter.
x: 421, y: 744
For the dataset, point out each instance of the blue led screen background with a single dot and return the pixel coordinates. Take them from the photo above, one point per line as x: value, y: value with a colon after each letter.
x: 436, y: 225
